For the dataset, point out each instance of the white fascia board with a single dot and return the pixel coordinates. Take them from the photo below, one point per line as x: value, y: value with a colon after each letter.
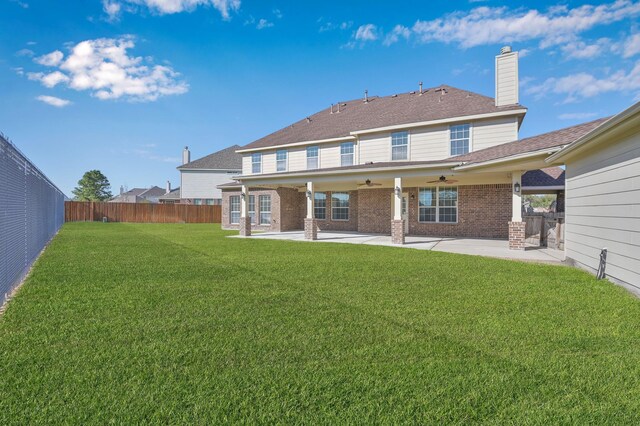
x: 620, y: 118
x: 319, y: 141
x: 523, y: 156
x: 543, y: 188
x: 319, y: 172
x: 239, y: 170
x: 442, y: 121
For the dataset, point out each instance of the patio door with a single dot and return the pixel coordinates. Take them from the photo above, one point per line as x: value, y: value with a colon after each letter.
x: 404, y: 210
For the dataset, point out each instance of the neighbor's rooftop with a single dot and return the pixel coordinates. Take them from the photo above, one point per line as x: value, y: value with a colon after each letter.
x: 226, y: 159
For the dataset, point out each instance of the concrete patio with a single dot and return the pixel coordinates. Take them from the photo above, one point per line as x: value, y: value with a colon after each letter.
x: 476, y: 247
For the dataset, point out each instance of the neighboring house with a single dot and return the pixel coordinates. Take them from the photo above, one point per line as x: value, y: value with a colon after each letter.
x: 139, y: 195
x: 441, y: 161
x: 603, y: 197
x: 199, y: 179
x: 171, y: 197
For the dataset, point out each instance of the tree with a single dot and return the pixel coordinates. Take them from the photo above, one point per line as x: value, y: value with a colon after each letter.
x: 94, y: 186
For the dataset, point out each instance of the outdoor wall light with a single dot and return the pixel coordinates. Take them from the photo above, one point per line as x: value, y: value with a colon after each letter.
x: 308, y: 194
x: 398, y: 191
x: 516, y: 187
x: 243, y: 195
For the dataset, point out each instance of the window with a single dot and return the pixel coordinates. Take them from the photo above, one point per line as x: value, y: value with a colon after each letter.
x: 234, y: 208
x: 265, y: 209
x: 438, y: 204
x: 346, y: 154
x: 252, y: 208
x: 281, y: 160
x: 320, y: 205
x: 459, y: 136
x: 197, y: 201
x: 256, y: 163
x: 400, y: 146
x: 209, y: 201
x: 340, y: 206
x: 312, y: 158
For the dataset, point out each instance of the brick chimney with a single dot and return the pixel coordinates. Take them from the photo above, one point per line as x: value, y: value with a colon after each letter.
x: 506, y: 77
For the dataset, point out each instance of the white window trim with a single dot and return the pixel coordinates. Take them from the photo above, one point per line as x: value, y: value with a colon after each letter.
x: 252, y: 163
x: 353, y: 154
x: 259, y: 210
x: 286, y: 161
x: 348, y: 208
x: 437, y: 207
x: 408, y: 145
x: 306, y: 157
x: 235, y: 211
x: 470, y: 136
x: 325, y: 205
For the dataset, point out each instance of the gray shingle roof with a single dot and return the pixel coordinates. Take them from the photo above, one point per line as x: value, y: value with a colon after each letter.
x: 173, y: 195
x: 535, y: 143
x: 549, y: 176
x: 226, y: 159
x: 434, y: 104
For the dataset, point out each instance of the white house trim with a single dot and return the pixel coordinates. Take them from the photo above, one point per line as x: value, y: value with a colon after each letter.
x: 293, y: 144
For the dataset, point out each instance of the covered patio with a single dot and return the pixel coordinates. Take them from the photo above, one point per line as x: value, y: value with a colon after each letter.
x: 470, y: 246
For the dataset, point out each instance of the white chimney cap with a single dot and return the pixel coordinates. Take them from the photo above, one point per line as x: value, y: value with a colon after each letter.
x: 505, y: 50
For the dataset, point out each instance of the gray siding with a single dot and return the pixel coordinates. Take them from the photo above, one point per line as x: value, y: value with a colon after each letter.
x: 603, y: 208
x: 203, y: 184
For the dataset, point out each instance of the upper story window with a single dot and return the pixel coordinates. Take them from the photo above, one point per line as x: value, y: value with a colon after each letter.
x: 400, y: 146
x: 346, y: 154
x: 281, y: 160
x: 256, y: 163
x: 312, y: 158
x: 459, y: 136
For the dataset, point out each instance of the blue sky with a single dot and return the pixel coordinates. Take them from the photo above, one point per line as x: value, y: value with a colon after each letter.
x: 124, y: 85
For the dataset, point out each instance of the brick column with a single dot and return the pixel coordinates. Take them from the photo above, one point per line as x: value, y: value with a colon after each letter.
x: 245, y: 226
x: 397, y: 231
x: 516, y: 235
x: 310, y: 229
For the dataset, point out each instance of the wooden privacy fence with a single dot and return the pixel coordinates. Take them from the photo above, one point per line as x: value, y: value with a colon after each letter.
x: 87, y: 211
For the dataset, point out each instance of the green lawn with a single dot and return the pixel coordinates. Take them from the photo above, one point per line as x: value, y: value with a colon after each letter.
x: 124, y: 323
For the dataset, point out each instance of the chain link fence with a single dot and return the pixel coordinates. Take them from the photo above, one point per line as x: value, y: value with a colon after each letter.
x: 31, y: 212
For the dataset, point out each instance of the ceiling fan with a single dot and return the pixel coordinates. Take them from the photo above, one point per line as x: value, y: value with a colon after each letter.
x: 369, y: 183
x: 443, y: 179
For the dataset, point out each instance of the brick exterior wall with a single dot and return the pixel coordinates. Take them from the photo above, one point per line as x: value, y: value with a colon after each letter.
x: 374, y: 206
x: 397, y: 231
x: 275, y: 210
x: 340, y: 225
x: 484, y: 211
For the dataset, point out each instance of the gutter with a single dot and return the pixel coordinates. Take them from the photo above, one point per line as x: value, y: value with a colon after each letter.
x: 525, y: 155
x: 319, y: 172
x: 441, y: 121
x: 270, y: 147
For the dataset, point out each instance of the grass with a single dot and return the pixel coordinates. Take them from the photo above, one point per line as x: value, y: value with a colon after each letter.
x: 124, y: 323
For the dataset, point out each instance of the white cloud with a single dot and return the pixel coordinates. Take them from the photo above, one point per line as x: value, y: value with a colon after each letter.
x: 112, y: 8
x: 631, y: 46
x: 103, y: 67
x: 25, y: 52
x: 48, y: 80
x: 577, y: 115
x: 164, y: 7
x: 524, y: 52
x: 584, y: 85
x: 368, y: 32
x: 330, y: 26
x: 53, y: 101
x: 277, y: 13
x: 581, y: 50
x: 397, y: 32
x: 492, y: 25
x: 263, y: 23
x: 50, y: 59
